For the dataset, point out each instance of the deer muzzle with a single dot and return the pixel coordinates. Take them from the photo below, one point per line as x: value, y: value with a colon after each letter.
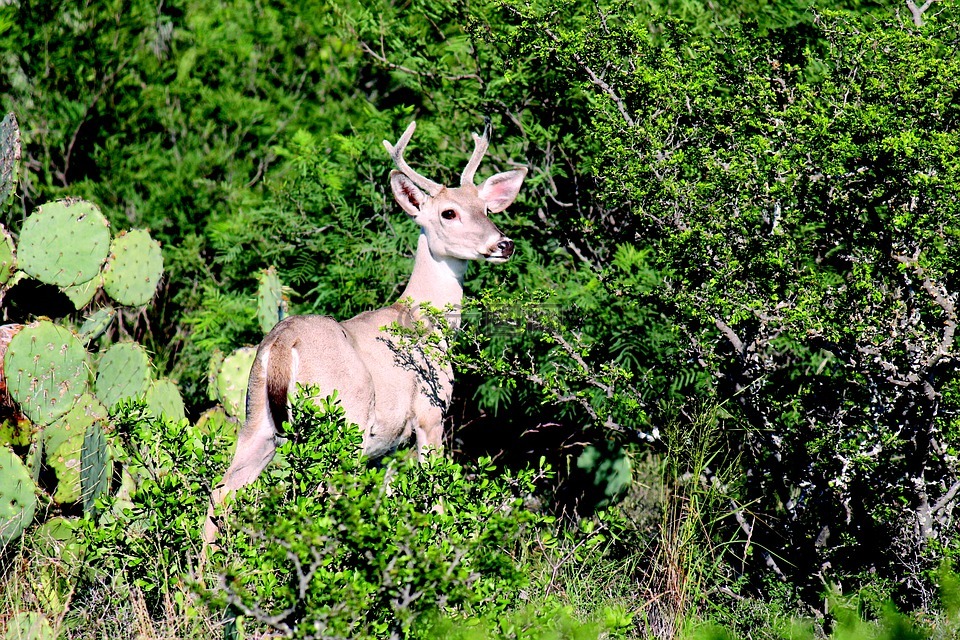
x: 501, y: 251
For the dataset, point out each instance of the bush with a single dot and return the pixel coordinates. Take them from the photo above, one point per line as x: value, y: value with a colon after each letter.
x: 334, y: 546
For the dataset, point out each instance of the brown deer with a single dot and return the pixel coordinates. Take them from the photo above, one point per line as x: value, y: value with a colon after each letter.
x: 388, y: 393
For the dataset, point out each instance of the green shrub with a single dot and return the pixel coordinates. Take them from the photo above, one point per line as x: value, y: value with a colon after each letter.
x: 328, y: 544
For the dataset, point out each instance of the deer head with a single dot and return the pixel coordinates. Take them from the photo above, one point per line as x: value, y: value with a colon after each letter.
x: 455, y: 219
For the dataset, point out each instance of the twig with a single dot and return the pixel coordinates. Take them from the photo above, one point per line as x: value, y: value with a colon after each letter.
x: 600, y: 82
x: 382, y: 59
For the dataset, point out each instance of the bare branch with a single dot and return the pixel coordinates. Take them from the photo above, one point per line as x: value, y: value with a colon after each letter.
x: 943, y: 300
x: 594, y: 78
x: 731, y: 336
x: 947, y: 498
x: 382, y: 59
x: 917, y: 12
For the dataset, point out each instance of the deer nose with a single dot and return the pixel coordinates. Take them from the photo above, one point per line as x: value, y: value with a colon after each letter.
x: 506, y: 247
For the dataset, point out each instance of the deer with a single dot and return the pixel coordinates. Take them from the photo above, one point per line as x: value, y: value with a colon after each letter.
x: 359, y: 359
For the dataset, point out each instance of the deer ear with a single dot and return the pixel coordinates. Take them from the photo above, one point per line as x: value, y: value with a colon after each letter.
x: 408, y: 195
x: 499, y: 191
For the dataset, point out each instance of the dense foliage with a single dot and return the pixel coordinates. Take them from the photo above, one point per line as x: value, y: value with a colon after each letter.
x: 735, y: 278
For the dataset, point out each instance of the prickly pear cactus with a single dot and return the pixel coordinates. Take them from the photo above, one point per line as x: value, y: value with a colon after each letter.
x: 31, y: 625
x: 63, y: 442
x: 9, y: 158
x: 7, y: 331
x: 133, y: 271
x: 15, y: 431
x: 232, y: 381
x: 87, y: 411
x: 81, y: 294
x: 45, y: 370
x: 95, y: 326
x: 271, y: 306
x: 34, y: 459
x: 213, y: 370
x: 65, y: 462
x: 215, y: 421
x: 95, y: 467
x: 18, y: 496
x: 53, y: 574
x: 64, y: 243
x: 163, y: 398
x: 123, y: 372
x: 8, y: 256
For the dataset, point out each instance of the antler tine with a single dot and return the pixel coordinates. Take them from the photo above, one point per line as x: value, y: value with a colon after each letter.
x: 480, y: 145
x: 396, y: 152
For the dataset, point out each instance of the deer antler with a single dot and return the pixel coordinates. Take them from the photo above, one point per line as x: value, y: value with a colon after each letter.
x: 480, y: 147
x: 396, y: 152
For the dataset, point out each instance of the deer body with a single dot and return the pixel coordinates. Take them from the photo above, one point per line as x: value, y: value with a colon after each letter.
x: 391, y: 392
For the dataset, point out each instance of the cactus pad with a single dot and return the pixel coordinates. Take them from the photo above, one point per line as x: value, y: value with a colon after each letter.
x: 7, y: 332
x: 8, y: 256
x: 123, y: 372
x: 62, y: 443
x: 64, y: 243
x: 271, y: 306
x: 81, y: 294
x: 56, y: 537
x: 60, y: 555
x: 87, y: 411
x: 213, y: 370
x: 65, y: 462
x: 18, y: 496
x: 216, y: 422
x: 31, y: 625
x: 133, y: 271
x: 232, y: 381
x: 95, y: 467
x: 163, y: 398
x: 34, y: 459
x: 95, y: 326
x: 9, y: 158
x: 45, y: 370
x: 15, y: 431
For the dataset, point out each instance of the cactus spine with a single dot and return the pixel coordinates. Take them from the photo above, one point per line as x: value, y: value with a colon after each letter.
x: 81, y: 294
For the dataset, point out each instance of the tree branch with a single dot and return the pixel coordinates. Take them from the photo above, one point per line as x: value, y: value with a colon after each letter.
x: 917, y: 12
x: 947, y: 498
x: 731, y: 336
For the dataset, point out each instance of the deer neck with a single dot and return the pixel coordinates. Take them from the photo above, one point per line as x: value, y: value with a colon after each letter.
x: 436, y: 281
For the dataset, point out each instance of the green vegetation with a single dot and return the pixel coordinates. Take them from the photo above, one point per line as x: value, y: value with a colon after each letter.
x: 714, y: 393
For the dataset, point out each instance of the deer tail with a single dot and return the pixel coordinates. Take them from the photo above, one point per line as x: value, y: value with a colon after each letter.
x: 280, y: 376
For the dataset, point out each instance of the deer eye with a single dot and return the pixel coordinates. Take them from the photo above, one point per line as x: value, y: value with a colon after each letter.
x: 448, y: 214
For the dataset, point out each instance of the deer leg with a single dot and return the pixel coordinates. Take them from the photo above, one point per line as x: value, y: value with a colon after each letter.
x: 429, y: 432
x: 255, y: 449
